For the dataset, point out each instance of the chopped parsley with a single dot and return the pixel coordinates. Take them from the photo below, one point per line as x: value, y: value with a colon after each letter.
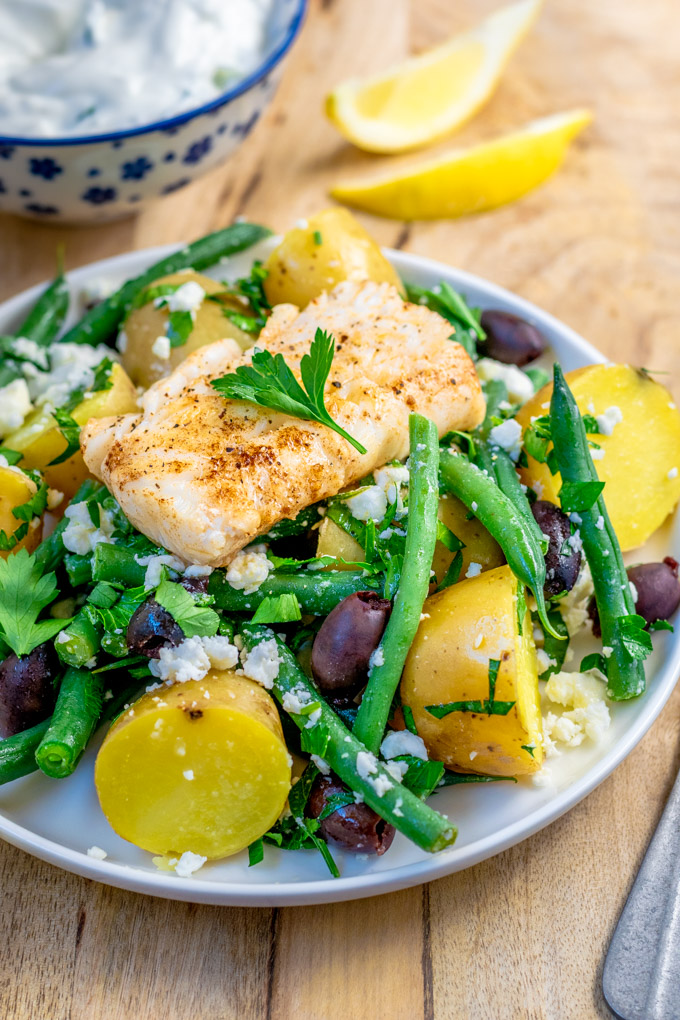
x: 24, y: 593
x: 487, y: 707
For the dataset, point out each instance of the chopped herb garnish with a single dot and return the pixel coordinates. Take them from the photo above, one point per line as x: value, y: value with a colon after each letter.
x: 318, y: 239
x: 529, y: 748
x: 408, y: 719
x: 23, y: 595
x: 180, y: 325
x: 487, y: 707
x: 278, y: 609
x: 576, y: 497
x: 195, y: 621
x: 595, y: 660
x: 70, y: 430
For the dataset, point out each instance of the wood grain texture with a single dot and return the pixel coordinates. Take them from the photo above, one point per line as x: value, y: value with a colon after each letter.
x: 520, y: 937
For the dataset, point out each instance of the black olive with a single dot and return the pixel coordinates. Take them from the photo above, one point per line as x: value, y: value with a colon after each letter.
x: 657, y: 589
x: 509, y: 339
x: 562, y: 561
x: 27, y: 691
x: 152, y: 628
x: 355, y: 827
x: 346, y: 639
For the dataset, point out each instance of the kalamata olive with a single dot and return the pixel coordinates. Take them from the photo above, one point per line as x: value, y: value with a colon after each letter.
x: 27, y: 692
x: 509, y: 339
x: 150, y: 629
x: 197, y: 585
x: 354, y: 827
x: 346, y: 639
x: 561, y: 568
x: 656, y: 594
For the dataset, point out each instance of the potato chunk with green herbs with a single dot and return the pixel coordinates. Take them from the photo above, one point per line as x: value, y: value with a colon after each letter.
x: 15, y: 490
x: 199, y: 766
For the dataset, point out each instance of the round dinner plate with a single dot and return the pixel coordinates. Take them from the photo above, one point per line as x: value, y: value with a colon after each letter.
x: 58, y: 820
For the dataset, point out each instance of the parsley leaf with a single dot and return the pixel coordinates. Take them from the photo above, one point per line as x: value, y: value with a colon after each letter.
x: 23, y: 595
x: 11, y: 456
x: 195, y: 621
x: 70, y: 430
x: 630, y: 631
x: 269, y: 382
x: 487, y: 707
x: 278, y: 609
x: 180, y: 325
x: 579, y: 496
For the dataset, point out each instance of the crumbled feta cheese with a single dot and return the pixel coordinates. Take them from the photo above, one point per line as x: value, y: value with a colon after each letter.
x: 574, y: 518
x: 248, y: 569
x: 154, y: 567
x: 399, y: 742
x: 15, y: 403
x: 29, y: 349
x: 633, y: 591
x: 397, y: 769
x: 390, y: 479
x: 54, y: 498
x: 221, y: 652
x: 367, y: 764
x: 474, y: 570
x: 262, y: 663
x: 186, y: 298
x: 301, y: 224
x: 519, y: 385
x: 574, y: 606
x: 296, y: 700
x: 198, y: 570
x: 508, y: 435
x: 313, y: 718
x: 368, y: 505
x: 122, y: 341
x: 599, y: 523
x: 587, y: 713
x: 381, y: 785
x: 607, y: 422
x: 187, y: 661
x: 377, y: 658
x: 189, y: 774
x: 544, y: 660
x: 97, y: 853
x: 189, y: 863
x: 62, y: 638
x: 472, y: 755
x: 161, y: 347
x: 607, y: 651
x: 597, y: 453
x: 474, y: 506
x: 673, y: 473
x: 81, y: 536
x: 397, y: 808
x: 71, y: 368
x: 323, y: 766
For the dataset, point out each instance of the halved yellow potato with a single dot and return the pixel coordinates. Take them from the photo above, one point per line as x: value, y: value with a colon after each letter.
x: 40, y: 441
x: 641, y: 462
x: 464, y: 627
x: 144, y: 325
x: 334, y: 541
x: 16, y: 489
x: 330, y: 248
x: 199, y: 766
x: 480, y: 547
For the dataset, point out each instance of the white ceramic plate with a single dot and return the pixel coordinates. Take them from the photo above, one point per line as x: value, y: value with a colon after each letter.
x: 57, y: 820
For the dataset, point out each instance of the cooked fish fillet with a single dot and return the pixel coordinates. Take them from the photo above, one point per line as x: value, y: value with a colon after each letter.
x: 203, y: 475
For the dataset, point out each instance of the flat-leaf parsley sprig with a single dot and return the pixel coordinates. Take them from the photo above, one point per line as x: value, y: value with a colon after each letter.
x: 23, y: 595
x: 269, y: 382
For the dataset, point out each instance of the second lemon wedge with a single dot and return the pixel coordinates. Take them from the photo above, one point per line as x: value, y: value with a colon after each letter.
x: 469, y: 180
x: 428, y: 96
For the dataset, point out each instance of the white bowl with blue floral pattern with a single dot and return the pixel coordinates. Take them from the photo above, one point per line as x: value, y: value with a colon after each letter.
x: 101, y: 177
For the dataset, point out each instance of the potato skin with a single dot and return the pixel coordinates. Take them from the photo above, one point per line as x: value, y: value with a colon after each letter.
x: 16, y: 489
x: 144, y: 325
x: 225, y: 731
x: 639, y: 454
x: 300, y: 269
x: 448, y: 662
x: 40, y: 441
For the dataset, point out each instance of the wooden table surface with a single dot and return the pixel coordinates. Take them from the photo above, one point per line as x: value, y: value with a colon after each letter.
x: 522, y: 936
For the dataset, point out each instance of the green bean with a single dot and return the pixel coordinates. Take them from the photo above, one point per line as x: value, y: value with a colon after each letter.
x: 81, y: 640
x: 421, y: 536
x: 78, y: 568
x: 101, y: 322
x: 502, y: 520
x: 427, y: 828
x: 17, y: 753
x: 498, y: 464
x: 625, y: 671
x: 78, y: 707
x: 46, y: 317
x: 317, y: 591
x: 51, y: 552
x: 117, y: 565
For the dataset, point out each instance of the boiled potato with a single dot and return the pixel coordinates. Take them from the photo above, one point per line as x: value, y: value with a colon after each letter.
x: 201, y: 766
x: 480, y: 547
x: 40, y: 441
x: 641, y: 462
x: 144, y: 325
x: 467, y: 625
x: 332, y: 247
x: 16, y: 489
x: 333, y: 541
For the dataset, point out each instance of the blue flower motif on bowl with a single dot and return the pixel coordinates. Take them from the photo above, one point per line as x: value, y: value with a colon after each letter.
x: 196, y: 152
x: 6, y: 151
x: 46, y: 167
x: 97, y: 196
x: 135, y: 169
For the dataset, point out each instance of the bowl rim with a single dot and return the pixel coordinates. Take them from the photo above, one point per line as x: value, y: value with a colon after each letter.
x: 243, y: 85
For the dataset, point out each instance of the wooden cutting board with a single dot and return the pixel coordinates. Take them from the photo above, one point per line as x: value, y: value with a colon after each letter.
x: 522, y: 936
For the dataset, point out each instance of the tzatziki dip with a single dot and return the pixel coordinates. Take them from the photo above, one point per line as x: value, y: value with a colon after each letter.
x: 84, y: 67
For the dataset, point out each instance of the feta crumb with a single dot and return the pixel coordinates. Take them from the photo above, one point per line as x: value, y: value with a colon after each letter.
x: 597, y: 454
x: 187, y: 661
x: 544, y: 660
x: 607, y: 422
x: 479, y: 640
x: 97, y: 853
x: 397, y: 769
x: 399, y: 742
x: 186, y: 298
x: 54, y: 498
x: 301, y: 224
x: 381, y: 784
x: 221, y: 652
x: 29, y: 349
x: 198, y: 570
x: 587, y: 713
x: 390, y: 479
x: 161, y: 347
x: 633, y: 591
x: 508, y: 435
x: 248, y: 569
x: 296, y: 700
x: 313, y: 718
x: 323, y: 766
x: 574, y: 606
x: 262, y: 663
x: 15, y: 403
x: 599, y: 523
x: 188, y: 774
x: 473, y: 755
x: 154, y: 567
x: 368, y: 505
x: 81, y: 535
x: 519, y: 385
x: 189, y: 863
x: 122, y: 342
x: 367, y: 764
x: 377, y: 658
x: 474, y: 506
x: 474, y: 570
x: 673, y: 473
x: 397, y: 808
x: 607, y: 651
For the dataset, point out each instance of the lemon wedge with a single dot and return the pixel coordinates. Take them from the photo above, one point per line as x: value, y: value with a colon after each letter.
x: 428, y: 96
x: 469, y: 180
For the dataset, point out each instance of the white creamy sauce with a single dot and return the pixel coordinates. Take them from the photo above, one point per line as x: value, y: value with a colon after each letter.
x: 81, y: 67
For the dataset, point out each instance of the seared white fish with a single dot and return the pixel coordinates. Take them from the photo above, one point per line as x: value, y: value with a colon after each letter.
x: 203, y: 475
